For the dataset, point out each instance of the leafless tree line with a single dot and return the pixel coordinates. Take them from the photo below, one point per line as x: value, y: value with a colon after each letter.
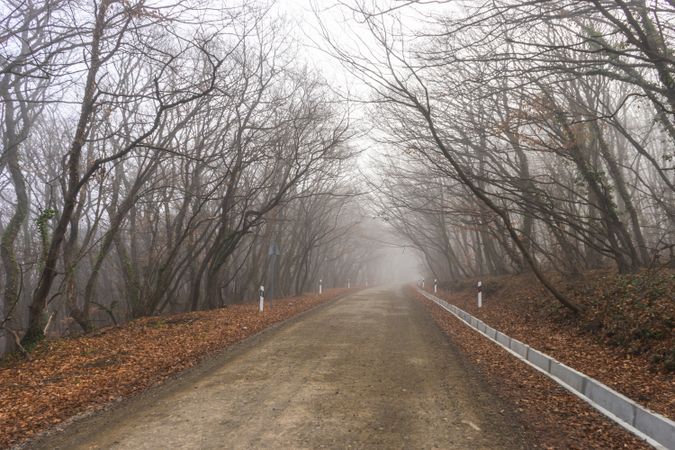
x: 153, y: 155
x: 536, y: 135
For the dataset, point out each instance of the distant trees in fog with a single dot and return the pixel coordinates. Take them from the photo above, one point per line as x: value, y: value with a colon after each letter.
x: 172, y: 157
x: 152, y: 154
x: 537, y: 135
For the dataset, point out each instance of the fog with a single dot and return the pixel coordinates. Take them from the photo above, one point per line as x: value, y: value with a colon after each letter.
x: 165, y: 157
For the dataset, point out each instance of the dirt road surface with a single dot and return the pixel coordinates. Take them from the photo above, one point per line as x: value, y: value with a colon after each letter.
x: 371, y: 370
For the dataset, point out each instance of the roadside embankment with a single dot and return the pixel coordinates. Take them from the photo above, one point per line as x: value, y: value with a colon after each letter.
x: 624, y: 339
x: 558, y: 418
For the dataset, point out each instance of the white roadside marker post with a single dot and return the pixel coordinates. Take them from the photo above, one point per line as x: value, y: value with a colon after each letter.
x: 320, y: 287
x: 422, y: 283
x: 262, y: 298
x: 349, y: 283
x: 435, y: 285
x: 480, y: 294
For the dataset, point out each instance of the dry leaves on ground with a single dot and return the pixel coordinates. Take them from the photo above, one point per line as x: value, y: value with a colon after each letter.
x: 553, y: 417
x: 69, y: 376
x: 519, y: 307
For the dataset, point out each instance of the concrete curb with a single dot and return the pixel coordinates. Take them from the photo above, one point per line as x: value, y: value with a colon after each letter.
x: 654, y: 428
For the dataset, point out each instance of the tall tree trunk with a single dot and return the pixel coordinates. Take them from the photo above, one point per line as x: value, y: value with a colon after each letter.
x: 10, y: 233
x: 620, y: 184
x: 49, y: 271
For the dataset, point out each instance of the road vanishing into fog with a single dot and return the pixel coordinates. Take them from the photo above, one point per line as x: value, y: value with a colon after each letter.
x: 371, y: 370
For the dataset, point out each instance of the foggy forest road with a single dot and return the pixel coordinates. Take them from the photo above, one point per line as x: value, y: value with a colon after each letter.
x: 371, y: 370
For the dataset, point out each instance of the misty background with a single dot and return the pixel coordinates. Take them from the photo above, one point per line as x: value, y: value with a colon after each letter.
x: 162, y: 157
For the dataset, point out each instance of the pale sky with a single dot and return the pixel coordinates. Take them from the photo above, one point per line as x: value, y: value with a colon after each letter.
x: 402, y: 263
x: 347, y: 32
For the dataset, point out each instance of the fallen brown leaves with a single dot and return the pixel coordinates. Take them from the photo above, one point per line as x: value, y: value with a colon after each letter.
x: 69, y: 376
x: 553, y: 417
x: 518, y: 307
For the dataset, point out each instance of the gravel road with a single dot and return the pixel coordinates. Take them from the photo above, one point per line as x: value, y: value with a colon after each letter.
x: 371, y: 370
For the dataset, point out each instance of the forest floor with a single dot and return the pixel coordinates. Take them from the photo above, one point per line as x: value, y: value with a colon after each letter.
x: 67, y: 377
x: 624, y: 339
